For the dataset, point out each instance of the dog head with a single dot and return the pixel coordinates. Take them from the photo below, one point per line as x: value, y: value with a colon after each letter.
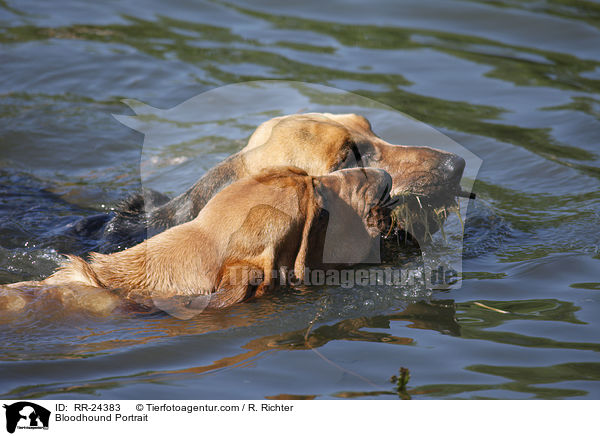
x: 425, y: 180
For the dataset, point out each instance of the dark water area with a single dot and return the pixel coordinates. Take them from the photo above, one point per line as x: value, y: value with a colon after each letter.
x: 515, y: 83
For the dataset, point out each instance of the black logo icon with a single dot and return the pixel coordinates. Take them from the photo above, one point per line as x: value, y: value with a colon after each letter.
x: 26, y: 415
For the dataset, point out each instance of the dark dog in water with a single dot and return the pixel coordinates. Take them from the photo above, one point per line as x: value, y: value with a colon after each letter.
x: 318, y: 144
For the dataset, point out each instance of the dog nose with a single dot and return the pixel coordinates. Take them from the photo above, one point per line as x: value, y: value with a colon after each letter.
x: 453, y: 167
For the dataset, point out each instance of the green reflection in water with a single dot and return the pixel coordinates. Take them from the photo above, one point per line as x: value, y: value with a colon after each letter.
x: 530, y: 212
x: 482, y: 275
x: 582, y: 10
x: 476, y: 322
x: 587, y: 105
x: 556, y: 70
x: 523, y: 381
x: 164, y: 36
x: 591, y: 286
x: 538, y: 310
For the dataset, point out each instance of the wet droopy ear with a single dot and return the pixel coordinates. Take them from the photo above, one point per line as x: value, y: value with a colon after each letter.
x: 312, y: 210
x: 346, y: 239
x: 326, y: 188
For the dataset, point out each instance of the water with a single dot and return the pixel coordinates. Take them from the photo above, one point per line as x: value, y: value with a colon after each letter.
x: 516, y: 83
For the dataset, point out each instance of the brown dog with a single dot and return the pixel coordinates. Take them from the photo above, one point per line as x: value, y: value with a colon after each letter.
x: 318, y: 144
x: 277, y: 221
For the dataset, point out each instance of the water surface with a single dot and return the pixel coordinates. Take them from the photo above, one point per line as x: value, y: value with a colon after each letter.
x: 516, y: 83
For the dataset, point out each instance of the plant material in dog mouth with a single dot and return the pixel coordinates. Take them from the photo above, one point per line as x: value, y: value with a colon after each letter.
x: 419, y: 217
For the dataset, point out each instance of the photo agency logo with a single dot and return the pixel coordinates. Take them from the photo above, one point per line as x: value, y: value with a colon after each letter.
x: 348, y: 278
x: 25, y: 415
x: 236, y: 160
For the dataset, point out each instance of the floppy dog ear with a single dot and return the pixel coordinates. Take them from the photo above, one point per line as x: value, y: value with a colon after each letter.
x: 312, y: 210
x: 237, y: 283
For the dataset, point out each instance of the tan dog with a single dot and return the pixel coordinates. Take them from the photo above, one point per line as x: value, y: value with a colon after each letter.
x: 318, y: 144
x: 277, y: 221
